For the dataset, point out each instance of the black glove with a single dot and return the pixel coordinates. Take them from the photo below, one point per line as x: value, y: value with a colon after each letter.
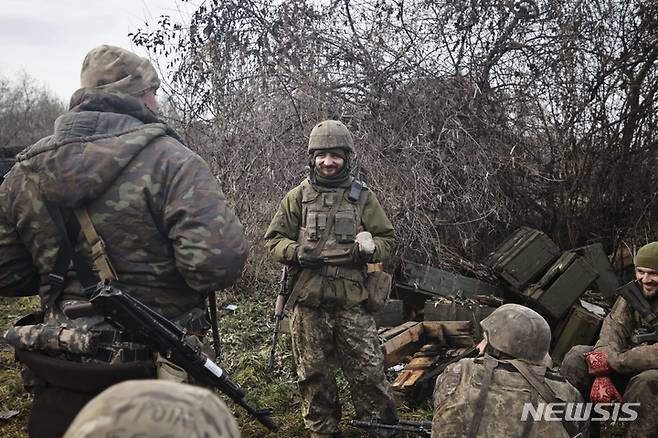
x: 358, y: 257
x: 308, y: 261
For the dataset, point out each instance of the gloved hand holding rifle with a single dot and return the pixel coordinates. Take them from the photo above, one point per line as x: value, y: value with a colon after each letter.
x: 156, y: 331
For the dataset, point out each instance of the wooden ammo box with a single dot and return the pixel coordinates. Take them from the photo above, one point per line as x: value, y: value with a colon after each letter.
x: 561, y: 285
x: 608, y: 280
x: 437, y: 282
x: 445, y: 309
x: 523, y: 257
x: 581, y: 327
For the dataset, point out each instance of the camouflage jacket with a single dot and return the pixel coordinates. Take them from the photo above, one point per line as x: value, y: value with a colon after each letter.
x: 615, y: 339
x: 457, y: 391
x: 282, y: 240
x: 168, y: 229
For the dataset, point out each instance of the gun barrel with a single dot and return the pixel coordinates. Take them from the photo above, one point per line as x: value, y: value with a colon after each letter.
x: 421, y: 428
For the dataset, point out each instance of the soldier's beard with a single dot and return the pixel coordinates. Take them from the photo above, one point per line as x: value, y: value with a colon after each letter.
x: 650, y: 290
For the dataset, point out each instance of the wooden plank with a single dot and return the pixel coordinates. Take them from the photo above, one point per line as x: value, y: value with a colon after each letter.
x: 411, y: 335
x: 420, y: 363
x: 413, y: 378
x: 394, y: 331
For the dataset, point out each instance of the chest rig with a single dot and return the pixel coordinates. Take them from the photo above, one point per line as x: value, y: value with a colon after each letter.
x: 316, y: 209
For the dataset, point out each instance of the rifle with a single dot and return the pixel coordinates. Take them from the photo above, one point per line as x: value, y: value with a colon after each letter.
x: 156, y: 331
x: 420, y: 428
x: 427, y: 377
x: 634, y: 296
x: 278, y: 314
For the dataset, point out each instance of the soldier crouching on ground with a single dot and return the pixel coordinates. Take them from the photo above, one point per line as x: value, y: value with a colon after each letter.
x: 327, y: 237
x: 619, y: 364
x: 161, y: 213
x: 485, y: 397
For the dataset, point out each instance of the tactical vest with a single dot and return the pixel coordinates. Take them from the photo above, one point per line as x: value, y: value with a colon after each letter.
x: 316, y: 207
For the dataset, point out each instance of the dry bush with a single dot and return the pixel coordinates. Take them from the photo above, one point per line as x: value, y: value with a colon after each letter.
x: 470, y: 117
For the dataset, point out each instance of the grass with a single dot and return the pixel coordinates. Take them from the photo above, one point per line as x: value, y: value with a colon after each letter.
x: 12, y: 395
x: 246, y: 335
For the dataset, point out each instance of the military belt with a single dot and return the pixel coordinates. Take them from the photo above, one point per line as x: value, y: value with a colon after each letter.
x: 342, y: 272
x: 125, y: 355
x: 112, y: 336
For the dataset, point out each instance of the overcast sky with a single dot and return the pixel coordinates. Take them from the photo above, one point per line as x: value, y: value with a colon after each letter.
x: 48, y: 39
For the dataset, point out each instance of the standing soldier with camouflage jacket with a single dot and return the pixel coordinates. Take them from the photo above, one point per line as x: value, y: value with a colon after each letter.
x: 327, y: 237
x: 167, y: 229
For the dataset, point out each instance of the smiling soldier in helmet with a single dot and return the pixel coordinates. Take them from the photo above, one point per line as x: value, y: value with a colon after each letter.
x: 326, y: 230
x: 485, y: 396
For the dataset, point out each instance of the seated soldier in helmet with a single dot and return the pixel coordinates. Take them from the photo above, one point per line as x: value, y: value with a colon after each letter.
x: 154, y: 409
x: 485, y: 396
x: 618, y: 364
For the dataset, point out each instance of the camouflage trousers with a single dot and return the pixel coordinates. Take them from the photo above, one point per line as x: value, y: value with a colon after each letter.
x: 641, y: 388
x: 348, y: 337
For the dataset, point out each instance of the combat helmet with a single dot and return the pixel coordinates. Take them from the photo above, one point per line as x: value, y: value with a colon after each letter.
x: 330, y: 134
x: 519, y: 332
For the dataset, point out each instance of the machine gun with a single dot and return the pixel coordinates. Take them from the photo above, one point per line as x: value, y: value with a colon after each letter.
x: 636, y: 299
x: 279, y: 311
x: 156, y: 331
x: 420, y: 428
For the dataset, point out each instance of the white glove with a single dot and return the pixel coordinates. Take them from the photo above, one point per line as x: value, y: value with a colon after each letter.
x: 365, y: 242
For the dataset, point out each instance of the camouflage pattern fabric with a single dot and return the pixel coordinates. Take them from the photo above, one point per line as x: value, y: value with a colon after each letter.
x: 639, y: 363
x: 154, y: 408
x: 328, y: 321
x: 350, y: 337
x: 284, y: 229
x: 457, y: 390
x: 111, y: 68
x: 168, y: 229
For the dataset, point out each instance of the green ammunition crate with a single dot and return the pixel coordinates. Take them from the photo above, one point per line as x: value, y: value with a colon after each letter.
x: 390, y: 315
x: 561, y: 285
x: 432, y: 281
x: 581, y: 328
x: 445, y: 309
x: 608, y: 280
x: 523, y: 257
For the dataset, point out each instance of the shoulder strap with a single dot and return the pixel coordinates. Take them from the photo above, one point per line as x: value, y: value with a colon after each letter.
x: 98, y: 253
x: 490, y: 363
x: 544, y: 391
x: 68, y: 234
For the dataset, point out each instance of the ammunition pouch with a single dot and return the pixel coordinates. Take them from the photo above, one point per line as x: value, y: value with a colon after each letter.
x: 378, y: 286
